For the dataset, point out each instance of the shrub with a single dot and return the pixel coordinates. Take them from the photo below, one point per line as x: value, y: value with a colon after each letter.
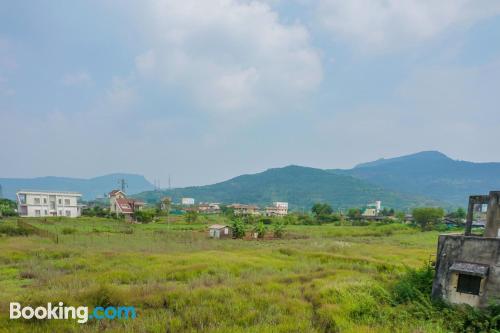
x: 68, y: 231
x: 191, y: 216
x: 278, y: 229
x: 144, y: 215
x: 260, y: 229
x: 238, y: 228
x: 10, y: 230
x: 413, y: 284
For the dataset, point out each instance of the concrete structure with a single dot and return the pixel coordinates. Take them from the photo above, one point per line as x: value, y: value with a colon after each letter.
x: 47, y: 203
x: 277, y: 209
x: 187, y: 201
x: 468, y: 266
x: 370, y: 212
x: 209, y: 208
x: 120, y: 204
x: 220, y: 231
x: 240, y: 209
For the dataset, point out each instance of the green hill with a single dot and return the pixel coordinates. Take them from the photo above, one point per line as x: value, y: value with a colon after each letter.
x: 430, y: 174
x: 300, y: 186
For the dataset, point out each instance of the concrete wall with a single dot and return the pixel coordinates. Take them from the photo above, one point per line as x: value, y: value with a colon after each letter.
x: 459, y: 248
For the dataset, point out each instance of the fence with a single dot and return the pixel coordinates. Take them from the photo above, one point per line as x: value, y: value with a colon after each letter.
x: 37, y: 231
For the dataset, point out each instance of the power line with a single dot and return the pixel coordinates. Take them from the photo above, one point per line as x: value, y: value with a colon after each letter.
x: 123, y: 184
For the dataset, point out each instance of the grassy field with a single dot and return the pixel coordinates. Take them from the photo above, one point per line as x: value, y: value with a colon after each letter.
x: 317, y: 279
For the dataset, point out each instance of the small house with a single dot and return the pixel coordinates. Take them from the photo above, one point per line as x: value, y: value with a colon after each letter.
x: 220, y: 231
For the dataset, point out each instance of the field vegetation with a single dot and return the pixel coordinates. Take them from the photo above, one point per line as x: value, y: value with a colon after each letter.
x: 312, y: 278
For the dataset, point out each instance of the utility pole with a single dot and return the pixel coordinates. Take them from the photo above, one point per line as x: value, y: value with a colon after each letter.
x: 123, y: 184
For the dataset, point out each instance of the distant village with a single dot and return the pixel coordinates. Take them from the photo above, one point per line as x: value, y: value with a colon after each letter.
x: 32, y: 203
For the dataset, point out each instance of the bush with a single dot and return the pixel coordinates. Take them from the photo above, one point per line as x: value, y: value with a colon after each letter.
x: 14, y: 231
x: 144, y: 215
x: 260, y: 229
x: 278, y: 229
x: 68, y: 231
x: 238, y: 228
x: 414, y: 284
x: 191, y: 216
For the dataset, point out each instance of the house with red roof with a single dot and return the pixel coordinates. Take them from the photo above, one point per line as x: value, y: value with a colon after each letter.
x: 121, y: 205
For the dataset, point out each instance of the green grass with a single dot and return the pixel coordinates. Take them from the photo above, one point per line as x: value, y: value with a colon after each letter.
x: 317, y: 279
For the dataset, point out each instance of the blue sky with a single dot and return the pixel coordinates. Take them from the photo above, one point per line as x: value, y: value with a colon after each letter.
x: 207, y: 90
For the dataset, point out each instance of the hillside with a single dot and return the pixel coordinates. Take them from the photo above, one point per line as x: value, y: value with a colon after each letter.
x: 430, y: 174
x: 300, y: 186
x: 90, y: 188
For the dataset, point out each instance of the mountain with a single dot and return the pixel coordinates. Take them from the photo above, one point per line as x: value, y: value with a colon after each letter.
x: 300, y: 186
x: 431, y: 174
x: 90, y: 188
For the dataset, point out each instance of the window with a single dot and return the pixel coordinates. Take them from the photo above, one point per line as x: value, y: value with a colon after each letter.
x: 45, y: 212
x: 37, y: 201
x: 226, y: 231
x: 59, y: 201
x: 37, y: 211
x: 66, y: 202
x: 44, y: 200
x: 468, y: 284
x: 60, y: 213
x: 68, y: 213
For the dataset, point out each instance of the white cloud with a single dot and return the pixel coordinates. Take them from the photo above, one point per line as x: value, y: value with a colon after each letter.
x: 382, y: 25
x: 231, y: 57
x: 77, y: 79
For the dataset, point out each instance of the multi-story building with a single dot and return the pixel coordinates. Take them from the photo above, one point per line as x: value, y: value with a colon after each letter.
x: 277, y: 209
x: 46, y: 203
x: 240, y: 209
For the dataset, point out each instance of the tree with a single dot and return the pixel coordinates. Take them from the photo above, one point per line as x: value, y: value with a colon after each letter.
x: 144, y: 215
x: 427, y: 217
x: 191, y: 216
x: 321, y: 209
x: 260, y: 229
x: 7, y: 207
x: 460, y: 213
x: 354, y: 213
x: 278, y: 229
x: 238, y: 228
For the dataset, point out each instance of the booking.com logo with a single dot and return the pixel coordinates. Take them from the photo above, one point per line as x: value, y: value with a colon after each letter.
x: 80, y: 313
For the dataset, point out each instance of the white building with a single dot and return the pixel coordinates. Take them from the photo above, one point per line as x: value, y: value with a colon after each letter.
x: 187, y: 201
x: 277, y: 209
x: 45, y: 203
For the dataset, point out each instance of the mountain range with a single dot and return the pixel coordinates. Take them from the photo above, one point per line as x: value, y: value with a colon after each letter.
x: 430, y: 174
x: 425, y: 178
x: 90, y: 188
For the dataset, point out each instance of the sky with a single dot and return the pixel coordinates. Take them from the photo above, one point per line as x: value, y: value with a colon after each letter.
x: 203, y: 91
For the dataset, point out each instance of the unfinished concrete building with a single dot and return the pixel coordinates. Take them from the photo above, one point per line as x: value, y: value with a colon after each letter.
x: 468, y: 266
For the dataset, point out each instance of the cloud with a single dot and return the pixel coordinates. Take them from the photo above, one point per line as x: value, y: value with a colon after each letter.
x: 230, y: 57
x: 77, y: 79
x: 384, y: 25
x: 449, y: 108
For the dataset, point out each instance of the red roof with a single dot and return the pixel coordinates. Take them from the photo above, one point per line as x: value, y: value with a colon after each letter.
x: 125, y: 205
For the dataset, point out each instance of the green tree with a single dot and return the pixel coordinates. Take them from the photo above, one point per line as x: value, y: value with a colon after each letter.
x: 460, y: 213
x: 278, y: 229
x: 427, y: 217
x: 354, y: 213
x: 7, y: 207
x: 321, y: 209
x: 191, y: 216
x: 260, y: 229
x: 144, y: 215
x: 238, y: 228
